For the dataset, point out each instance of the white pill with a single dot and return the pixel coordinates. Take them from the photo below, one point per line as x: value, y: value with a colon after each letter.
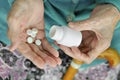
x: 38, y: 42
x: 33, y: 35
x: 29, y: 32
x: 34, y: 30
x: 30, y: 40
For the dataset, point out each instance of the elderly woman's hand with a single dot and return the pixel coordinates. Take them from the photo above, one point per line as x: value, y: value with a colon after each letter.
x: 27, y: 14
x: 97, y: 33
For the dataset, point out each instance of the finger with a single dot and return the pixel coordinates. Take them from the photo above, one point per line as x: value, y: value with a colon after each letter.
x: 59, y: 61
x: 95, y: 51
x: 99, y: 48
x: 76, y: 52
x: 28, y: 53
x: 86, y: 55
x: 49, y: 48
x: 67, y: 50
x: 43, y: 54
x: 80, y: 55
x: 92, y: 55
x: 13, y: 33
x: 14, y: 40
x: 13, y: 46
x: 81, y: 25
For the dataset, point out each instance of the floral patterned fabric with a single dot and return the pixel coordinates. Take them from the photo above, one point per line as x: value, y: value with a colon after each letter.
x: 13, y: 66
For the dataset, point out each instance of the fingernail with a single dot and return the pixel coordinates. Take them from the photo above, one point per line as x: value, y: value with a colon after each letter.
x: 57, y: 54
x: 59, y: 62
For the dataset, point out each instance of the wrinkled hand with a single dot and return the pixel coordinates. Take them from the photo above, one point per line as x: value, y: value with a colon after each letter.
x: 97, y: 33
x: 27, y: 14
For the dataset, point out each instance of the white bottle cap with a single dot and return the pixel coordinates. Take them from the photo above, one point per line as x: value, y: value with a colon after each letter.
x: 56, y: 33
x: 66, y: 36
x: 38, y: 42
x: 30, y: 40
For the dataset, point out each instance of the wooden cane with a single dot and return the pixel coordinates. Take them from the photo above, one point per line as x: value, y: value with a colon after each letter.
x: 110, y: 54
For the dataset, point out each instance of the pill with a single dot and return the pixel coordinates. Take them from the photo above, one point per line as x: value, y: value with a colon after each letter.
x: 30, y: 40
x: 34, y: 30
x: 38, y: 42
x: 33, y: 35
x: 29, y: 32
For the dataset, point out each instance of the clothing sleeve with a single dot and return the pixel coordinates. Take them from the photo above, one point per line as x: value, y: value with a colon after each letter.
x: 5, y: 6
x: 116, y: 3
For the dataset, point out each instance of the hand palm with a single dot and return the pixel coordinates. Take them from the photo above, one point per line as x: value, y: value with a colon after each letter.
x: 25, y: 15
x: 89, y: 41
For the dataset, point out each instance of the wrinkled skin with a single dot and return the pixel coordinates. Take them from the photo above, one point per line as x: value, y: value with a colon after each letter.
x: 97, y: 33
x: 26, y: 14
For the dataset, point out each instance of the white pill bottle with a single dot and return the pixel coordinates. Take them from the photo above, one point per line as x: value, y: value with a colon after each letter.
x: 65, y: 36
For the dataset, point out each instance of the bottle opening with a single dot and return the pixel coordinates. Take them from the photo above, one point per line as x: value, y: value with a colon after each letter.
x: 56, y: 33
x: 52, y: 32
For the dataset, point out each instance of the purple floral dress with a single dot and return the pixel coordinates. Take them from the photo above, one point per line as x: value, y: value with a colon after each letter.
x: 13, y: 66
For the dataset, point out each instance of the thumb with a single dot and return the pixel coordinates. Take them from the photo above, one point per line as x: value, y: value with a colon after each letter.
x: 15, y: 41
x: 13, y: 32
x: 13, y: 35
x: 13, y: 46
x: 80, y: 25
